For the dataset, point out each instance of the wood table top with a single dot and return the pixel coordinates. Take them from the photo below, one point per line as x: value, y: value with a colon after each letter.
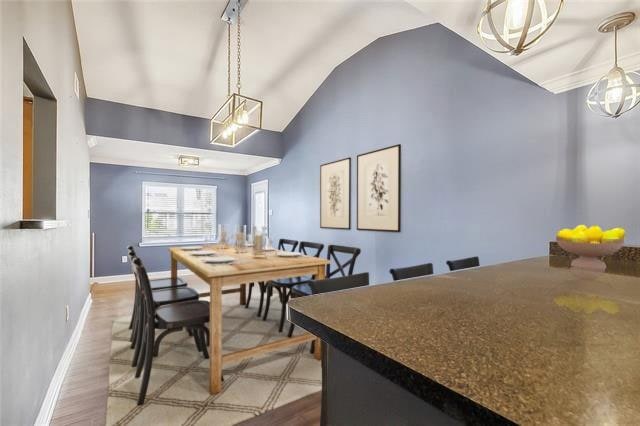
x: 245, y: 263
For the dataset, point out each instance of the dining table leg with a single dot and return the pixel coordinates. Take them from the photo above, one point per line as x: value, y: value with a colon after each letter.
x: 215, y: 337
x: 174, y: 271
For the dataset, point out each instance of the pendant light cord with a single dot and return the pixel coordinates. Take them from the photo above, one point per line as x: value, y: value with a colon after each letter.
x: 615, y: 40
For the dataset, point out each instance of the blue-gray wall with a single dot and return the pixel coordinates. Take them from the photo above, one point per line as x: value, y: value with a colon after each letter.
x: 116, y: 208
x: 116, y: 120
x: 486, y: 154
x: 606, y: 167
x: 40, y: 271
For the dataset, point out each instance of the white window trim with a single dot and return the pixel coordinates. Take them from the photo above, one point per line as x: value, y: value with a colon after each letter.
x: 159, y: 241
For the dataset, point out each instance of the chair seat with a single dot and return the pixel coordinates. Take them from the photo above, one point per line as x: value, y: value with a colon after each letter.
x: 174, y: 295
x: 162, y: 283
x: 301, y: 290
x: 182, y: 314
x: 290, y: 282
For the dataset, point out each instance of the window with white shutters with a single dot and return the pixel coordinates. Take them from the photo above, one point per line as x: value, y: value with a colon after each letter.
x: 177, y: 213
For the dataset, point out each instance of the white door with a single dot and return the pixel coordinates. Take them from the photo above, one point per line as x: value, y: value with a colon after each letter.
x: 259, y: 205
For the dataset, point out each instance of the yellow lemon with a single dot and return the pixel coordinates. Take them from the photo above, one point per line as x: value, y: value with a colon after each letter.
x: 580, y: 237
x: 580, y: 228
x: 594, y: 233
x: 619, y: 231
x: 610, y: 236
x: 565, y: 234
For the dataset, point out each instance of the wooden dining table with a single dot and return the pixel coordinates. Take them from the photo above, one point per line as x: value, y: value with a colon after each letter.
x: 246, y: 268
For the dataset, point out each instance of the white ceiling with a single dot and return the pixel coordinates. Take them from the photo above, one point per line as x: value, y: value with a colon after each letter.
x: 171, y: 54
x: 572, y: 53
x: 144, y: 154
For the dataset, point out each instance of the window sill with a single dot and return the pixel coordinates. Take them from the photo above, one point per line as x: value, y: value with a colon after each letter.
x: 173, y: 243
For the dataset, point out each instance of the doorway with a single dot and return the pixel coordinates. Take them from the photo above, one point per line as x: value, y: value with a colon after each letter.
x: 260, y: 205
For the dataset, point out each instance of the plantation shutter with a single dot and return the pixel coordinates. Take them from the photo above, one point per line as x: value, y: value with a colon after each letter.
x: 178, y: 213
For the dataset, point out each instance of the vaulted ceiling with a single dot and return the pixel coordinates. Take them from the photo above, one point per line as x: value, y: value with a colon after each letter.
x: 171, y: 55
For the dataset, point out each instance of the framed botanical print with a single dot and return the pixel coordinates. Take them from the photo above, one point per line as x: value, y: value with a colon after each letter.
x: 335, y: 194
x: 379, y: 190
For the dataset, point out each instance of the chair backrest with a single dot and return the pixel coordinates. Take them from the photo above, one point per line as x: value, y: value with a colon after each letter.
x: 343, y: 266
x: 287, y: 245
x: 340, y: 283
x: 132, y: 255
x: 468, y: 262
x: 311, y: 249
x: 144, y: 287
x: 412, y: 271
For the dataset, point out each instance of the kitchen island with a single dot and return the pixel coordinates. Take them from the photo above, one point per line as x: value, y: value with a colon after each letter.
x: 528, y: 342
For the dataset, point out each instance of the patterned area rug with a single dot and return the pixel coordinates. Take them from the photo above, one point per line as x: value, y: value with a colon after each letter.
x: 178, y: 390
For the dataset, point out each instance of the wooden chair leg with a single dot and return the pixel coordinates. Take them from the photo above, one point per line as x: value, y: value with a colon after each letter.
x: 262, y: 291
x: 266, y: 306
x: 148, y: 360
x: 201, y: 331
x: 139, y: 339
x: 291, y: 327
x: 156, y: 346
x: 246, y: 305
x: 139, y: 356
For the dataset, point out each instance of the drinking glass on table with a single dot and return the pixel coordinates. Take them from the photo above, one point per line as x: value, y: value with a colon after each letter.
x: 241, y: 238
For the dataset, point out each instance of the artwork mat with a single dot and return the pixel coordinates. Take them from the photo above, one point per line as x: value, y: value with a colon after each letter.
x: 390, y: 220
x: 327, y: 220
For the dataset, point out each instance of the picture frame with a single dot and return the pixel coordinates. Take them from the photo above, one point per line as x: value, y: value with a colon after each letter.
x: 379, y: 190
x: 335, y: 194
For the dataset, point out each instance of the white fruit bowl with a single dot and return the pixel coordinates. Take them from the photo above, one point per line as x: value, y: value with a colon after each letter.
x: 589, y: 255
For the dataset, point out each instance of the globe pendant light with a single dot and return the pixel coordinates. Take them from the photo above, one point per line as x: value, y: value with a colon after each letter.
x: 513, y: 26
x: 618, y: 91
x: 239, y: 117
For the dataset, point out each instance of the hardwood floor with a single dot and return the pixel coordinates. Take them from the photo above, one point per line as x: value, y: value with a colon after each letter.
x: 303, y: 412
x: 83, y: 397
x: 84, y: 393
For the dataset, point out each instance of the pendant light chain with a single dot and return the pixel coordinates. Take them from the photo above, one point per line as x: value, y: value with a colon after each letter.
x: 238, y: 42
x: 228, y: 58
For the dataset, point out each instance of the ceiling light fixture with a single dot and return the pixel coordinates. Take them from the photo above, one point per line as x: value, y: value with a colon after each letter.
x: 188, y: 160
x: 240, y: 116
x: 618, y: 91
x: 513, y: 26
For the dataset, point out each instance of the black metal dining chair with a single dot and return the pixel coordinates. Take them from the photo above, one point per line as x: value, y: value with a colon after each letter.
x: 327, y: 286
x: 468, y: 262
x: 283, y: 245
x: 163, y: 295
x: 412, y: 271
x: 192, y: 315
x: 338, y: 263
x: 283, y: 287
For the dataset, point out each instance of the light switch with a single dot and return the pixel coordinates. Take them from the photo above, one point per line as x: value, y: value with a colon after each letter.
x: 270, y: 212
x: 124, y: 259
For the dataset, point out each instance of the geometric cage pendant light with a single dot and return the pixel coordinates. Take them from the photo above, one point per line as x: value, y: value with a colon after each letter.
x: 240, y: 116
x: 513, y: 26
x: 618, y: 91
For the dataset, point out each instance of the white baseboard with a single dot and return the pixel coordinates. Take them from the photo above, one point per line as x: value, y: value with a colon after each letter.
x: 129, y: 277
x: 50, y: 399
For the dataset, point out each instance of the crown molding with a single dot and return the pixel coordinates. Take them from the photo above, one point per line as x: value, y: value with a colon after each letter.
x: 590, y: 74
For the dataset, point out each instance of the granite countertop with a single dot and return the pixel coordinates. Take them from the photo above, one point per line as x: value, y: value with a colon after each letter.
x: 530, y: 342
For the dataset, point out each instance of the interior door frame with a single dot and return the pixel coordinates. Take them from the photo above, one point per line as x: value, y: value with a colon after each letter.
x: 253, y: 185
